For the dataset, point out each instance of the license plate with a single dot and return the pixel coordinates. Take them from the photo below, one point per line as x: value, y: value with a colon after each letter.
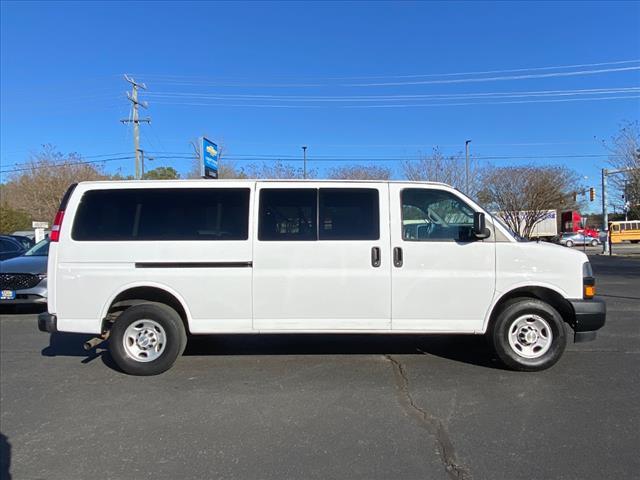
x: 7, y: 295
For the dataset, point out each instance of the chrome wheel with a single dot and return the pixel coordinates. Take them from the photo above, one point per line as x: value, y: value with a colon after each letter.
x: 530, y: 336
x: 144, y: 340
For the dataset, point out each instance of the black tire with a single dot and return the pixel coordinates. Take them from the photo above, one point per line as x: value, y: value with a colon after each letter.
x: 175, y: 341
x: 569, y: 243
x: 594, y: 243
x: 517, y: 309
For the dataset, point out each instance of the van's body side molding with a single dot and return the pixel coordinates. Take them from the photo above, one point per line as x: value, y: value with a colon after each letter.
x: 194, y: 264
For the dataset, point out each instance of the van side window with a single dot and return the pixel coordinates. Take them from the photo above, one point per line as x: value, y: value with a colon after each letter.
x: 435, y: 216
x: 288, y: 214
x: 163, y: 214
x: 349, y: 214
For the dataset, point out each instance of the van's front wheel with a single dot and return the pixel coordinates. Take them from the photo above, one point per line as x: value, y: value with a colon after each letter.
x: 528, y: 335
x: 147, y: 339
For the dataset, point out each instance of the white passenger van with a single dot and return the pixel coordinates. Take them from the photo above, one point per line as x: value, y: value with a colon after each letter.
x: 145, y: 263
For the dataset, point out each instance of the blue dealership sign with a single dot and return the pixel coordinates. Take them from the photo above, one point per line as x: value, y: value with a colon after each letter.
x: 209, y: 154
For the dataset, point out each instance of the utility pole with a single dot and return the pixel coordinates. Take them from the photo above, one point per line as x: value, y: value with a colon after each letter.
x: 304, y: 160
x: 135, y: 118
x: 142, y: 162
x: 605, y: 215
x: 466, y: 149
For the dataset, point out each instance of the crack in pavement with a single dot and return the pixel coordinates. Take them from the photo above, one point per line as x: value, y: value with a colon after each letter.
x: 432, y: 424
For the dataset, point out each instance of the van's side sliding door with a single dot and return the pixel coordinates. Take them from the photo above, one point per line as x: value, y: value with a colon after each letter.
x: 321, y: 257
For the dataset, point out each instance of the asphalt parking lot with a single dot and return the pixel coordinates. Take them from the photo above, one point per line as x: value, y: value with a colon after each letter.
x: 294, y: 406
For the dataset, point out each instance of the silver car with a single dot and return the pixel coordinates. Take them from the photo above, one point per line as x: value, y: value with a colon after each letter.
x: 571, y: 239
x: 23, y: 279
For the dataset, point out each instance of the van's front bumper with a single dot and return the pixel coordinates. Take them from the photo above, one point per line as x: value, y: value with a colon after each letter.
x: 47, y: 322
x: 590, y: 316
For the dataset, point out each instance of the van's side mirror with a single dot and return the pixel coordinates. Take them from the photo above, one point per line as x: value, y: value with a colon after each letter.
x: 479, y: 228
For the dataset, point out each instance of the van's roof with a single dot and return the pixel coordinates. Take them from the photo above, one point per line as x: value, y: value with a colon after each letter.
x: 173, y: 183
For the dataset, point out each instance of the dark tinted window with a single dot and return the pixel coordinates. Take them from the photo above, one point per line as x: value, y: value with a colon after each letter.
x: 7, y: 245
x: 288, y: 214
x: 349, y: 214
x: 435, y: 215
x: 163, y: 214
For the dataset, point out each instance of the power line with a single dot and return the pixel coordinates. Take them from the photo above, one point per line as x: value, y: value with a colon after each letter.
x: 487, y: 72
x: 371, y: 98
x: 68, y: 164
x: 404, y: 105
x: 290, y: 157
x: 500, y: 78
x: 317, y: 158
x: 161, y: 77
x: 65, y: 162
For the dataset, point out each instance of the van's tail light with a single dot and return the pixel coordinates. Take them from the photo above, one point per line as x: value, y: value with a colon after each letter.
x: 57, y: 225
x: 57, y: 222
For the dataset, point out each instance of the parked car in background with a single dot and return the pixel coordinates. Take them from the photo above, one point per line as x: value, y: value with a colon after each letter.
x: 30, y: 234
x: 26, y: 242
x: 570, y: 239
x: 26, y: 233
x: 11, y: 247
x: 23, y: 279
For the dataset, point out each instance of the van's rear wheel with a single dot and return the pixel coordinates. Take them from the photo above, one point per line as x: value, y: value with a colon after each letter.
x: 147, y: 339
x: 528, y: 335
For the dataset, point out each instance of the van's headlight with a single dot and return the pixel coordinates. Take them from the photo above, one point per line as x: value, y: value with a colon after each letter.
x: 588, y: 281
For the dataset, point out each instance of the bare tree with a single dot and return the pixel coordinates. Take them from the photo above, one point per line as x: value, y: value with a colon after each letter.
x: 360, y: 172
x: 624, y: 151
x: 523, y: 195
x: 451, y: 170
x: 277, y: 170
x: 38, y: 189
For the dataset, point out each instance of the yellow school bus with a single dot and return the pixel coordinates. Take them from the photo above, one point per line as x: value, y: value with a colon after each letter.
x: 625, y: 230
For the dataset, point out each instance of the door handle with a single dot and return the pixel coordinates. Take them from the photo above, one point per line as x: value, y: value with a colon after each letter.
x: 375, y: 256
x: 397, y: 257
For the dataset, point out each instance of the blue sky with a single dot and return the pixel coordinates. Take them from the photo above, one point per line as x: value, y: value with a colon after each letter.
x: 209, y: 65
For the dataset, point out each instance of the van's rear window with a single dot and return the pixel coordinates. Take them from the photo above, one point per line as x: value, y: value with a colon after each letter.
x: 163, y: 214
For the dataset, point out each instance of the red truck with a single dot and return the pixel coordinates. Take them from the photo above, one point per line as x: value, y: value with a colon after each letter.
x: 571, y: 221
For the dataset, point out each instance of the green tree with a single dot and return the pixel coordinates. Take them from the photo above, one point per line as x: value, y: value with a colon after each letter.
x: 162, y: 173
x: 12, y: 219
